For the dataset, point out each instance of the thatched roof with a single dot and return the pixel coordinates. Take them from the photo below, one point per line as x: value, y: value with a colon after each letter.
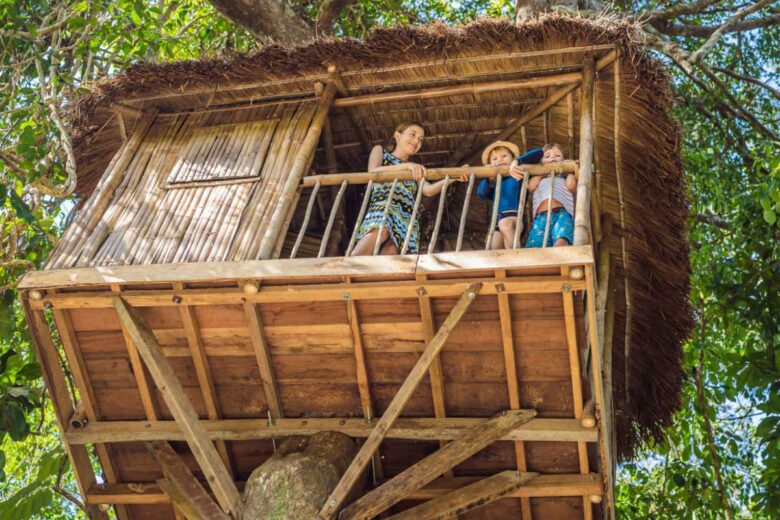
x: 406, y: 57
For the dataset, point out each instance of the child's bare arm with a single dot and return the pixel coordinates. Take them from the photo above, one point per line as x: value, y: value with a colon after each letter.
x: 571, y: 183
x: 534, y: 182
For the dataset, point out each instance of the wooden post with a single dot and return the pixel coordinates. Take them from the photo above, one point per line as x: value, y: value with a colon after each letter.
x: 263, y: 356
x: 181, y: 485
x: 520, y: 212
x: 359, y: 221
x: 388, y: 205
x: 464, y: 212
x: 549, y: 211
x: 494, y: 214
x: 513, y: 386
x: 204, y: 451
x: 53, y: 375
x: 305, y: 224
x: 439, y: 214
x: 469, y: 497
x: 413, y: 218
x: 296, y: 173
x: 331, y: 219
x: 396, y: 406
x: 582, y: 212
x: 425, y: 471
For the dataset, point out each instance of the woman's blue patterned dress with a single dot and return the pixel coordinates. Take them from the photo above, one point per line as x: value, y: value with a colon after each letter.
x: 400, y: 210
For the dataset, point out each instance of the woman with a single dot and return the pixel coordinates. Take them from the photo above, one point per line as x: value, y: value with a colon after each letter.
x: 408, y: 139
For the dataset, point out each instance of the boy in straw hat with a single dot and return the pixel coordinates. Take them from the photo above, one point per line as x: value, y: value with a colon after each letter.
x: 503, y: 153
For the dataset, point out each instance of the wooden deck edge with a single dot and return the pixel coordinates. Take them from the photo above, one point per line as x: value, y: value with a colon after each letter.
x: 446, y: 428
x: 565, y: 485
x: 303, y: 268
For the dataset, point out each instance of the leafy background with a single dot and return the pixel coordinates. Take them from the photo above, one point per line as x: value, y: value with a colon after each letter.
x: 720, y: 459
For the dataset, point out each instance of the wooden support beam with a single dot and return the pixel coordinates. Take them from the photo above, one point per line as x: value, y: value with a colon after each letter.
x: 343, y: 91
x: 408, y: 428
x: 425, y: 471
x: 603, y: 414
x: 434, y: 372
x: 87, y: 403
x: 302, y: 268
x: 553, y: 80
x: 263, y: 356
x: 396, y: 406
x: 362, y: 375
x: 54, y: 377
x: 543, y: 486
x: 468, y: 498
x: 584, y: 183
x: 202, y: 370
x: 140, y: 372
x: 183, y: 412
x: 180, y: 484
x: 513, y: 388
x: 308, y: 293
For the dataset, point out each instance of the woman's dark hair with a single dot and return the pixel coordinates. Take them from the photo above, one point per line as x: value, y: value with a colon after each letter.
x: 400, y: 128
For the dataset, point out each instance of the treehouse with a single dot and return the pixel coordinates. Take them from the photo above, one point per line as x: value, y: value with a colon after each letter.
x: 208, y: 304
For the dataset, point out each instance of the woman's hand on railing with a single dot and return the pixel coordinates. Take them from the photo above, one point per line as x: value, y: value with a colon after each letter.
x: 463, y: 177
x: 517, y: 172
x: 418, y: 171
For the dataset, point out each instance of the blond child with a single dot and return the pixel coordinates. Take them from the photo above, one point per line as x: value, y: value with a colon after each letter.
x: 504, y: 153
x: 562, y: 204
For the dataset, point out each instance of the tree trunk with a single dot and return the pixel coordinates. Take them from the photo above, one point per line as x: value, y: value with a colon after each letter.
x: 294, y: 483
x: 268, y: 20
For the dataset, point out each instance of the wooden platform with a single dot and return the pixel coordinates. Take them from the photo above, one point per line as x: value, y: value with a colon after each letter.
x: 273, y: 348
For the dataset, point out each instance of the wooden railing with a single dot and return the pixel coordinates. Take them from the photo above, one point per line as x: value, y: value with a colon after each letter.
x: 368, y: 179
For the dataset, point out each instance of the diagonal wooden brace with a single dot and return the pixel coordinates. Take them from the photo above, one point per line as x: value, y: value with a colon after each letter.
x: 182, y: 486
x: 428, y: 469
x: 468, y: 498
x: 395, y: 408
x: 182, y: 409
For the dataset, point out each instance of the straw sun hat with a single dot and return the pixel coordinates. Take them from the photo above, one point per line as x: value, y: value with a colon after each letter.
x: 499, y: 144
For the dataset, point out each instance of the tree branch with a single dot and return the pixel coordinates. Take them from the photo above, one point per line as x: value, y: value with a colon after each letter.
x: 268, y: 20
x: 726, y: 27
x: 705, y: 31
x: 712, y: 219
x: 682, y: 9
x: 328, y: 14
x: 775, y: 92
x: 64, y: 492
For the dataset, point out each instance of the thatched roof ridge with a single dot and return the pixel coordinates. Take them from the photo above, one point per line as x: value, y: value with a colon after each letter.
x: 657, y: 206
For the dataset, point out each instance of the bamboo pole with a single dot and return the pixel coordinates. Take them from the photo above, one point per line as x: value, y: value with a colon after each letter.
x: 434, y: 174
x: 520, y: 212
x: 439, y: 214
x: 413, y: 218
x: 361, y: 215
x: 72, y: 244
x: 331, y: 219
x: 582, y: 212
x: 555, y: 80
x: 595, y: 199
x: 388, y: 204
x: 306, y: 218
x: 494, y: 215
x: 549, y: 211
x: 296, y: 172
x: 464, y: 212
x: 623, y: 231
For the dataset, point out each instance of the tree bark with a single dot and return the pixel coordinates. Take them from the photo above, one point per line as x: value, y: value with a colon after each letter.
x: 270, y: 21
x: 294, y: 483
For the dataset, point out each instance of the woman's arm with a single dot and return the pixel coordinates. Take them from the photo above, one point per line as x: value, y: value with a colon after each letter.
x: 375, y: 165
x: 434, y: 188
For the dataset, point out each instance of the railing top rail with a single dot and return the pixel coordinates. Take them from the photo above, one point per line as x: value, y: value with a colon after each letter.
x: 334, y: 179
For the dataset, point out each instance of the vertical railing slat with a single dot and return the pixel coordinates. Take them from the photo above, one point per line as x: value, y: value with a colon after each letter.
x: 439, y: 214
x: 494, y: 216
x: 306, y: 218
x: 549, y: 211
x: 410, y: 225
x: 464, y: 213
x: 388, y: 204
x: 331, y: 219
x: 359, y: 221
x: 520, y: 212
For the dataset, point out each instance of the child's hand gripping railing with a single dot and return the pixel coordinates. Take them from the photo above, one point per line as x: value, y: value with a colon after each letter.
x: 371, y: 179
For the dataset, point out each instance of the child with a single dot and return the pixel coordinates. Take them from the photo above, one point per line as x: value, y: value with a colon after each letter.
x: 503, y: 153
x: 562, y: 216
